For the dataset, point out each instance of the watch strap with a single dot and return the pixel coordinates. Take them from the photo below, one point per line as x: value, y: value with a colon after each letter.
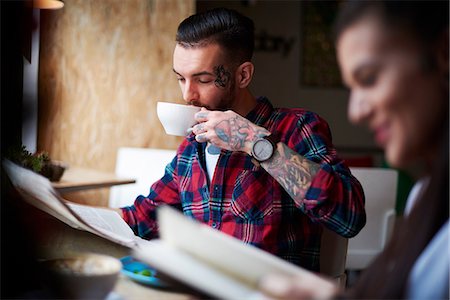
x: 273, y: 138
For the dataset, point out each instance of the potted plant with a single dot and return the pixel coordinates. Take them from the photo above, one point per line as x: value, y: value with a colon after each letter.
x: 39, y: 162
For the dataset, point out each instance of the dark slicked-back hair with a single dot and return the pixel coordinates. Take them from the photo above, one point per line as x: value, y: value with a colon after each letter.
x: 231, y: 30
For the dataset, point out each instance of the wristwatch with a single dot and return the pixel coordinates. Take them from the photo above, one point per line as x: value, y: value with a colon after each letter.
x: 263, y: 148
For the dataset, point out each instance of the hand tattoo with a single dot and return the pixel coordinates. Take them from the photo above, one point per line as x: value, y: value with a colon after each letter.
x: 201, y: 138
x: 237, y: 131
x: 222, y: 76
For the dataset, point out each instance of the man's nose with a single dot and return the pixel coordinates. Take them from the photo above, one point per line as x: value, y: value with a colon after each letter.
x: 190, y: 93
x: 359, y: 107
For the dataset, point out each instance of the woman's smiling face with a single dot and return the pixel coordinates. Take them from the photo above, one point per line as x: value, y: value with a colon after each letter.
x: 400, y: 100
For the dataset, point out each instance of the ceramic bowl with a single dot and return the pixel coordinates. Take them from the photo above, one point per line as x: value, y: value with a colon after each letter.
x: 84, y: 276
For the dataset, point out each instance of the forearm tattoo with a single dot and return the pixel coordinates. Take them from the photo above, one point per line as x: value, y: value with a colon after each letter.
x: 294, y: 172
x: 236, y: 132
x: 222, y: 76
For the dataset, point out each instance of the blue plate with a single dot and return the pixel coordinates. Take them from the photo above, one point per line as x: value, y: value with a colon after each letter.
x: 141, y: 272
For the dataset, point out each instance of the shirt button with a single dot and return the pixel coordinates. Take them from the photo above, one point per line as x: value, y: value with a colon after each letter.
x: 214, y: 225
x: 216, y: 188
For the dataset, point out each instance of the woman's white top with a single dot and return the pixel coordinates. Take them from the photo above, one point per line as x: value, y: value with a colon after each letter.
x: 429, y: 277
x: 415, y: 193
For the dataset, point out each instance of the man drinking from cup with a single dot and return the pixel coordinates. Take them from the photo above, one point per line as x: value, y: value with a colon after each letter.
x: 267, y: 176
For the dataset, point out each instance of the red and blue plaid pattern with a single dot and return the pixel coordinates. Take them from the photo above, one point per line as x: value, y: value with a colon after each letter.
x: 244, y: 201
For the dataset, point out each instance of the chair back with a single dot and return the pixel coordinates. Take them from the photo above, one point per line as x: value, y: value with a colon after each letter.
x: 333, y: 254
x: 146, y: 165
x: 380, y: 190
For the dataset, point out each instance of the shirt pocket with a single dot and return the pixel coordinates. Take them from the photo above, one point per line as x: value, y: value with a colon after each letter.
x: 253, y: 196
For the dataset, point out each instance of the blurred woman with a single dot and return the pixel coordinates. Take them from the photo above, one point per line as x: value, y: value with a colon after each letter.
x: 394, y: 57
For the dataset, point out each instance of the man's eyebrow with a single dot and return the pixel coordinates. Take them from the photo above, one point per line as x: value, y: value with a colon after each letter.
x: 176, y: 72
x: 195, y: 74
x: 203, y: 73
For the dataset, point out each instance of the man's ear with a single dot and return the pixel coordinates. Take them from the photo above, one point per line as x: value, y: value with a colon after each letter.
x: 244, y: 74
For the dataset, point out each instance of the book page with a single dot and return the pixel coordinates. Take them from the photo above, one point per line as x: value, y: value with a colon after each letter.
x: 194, y: 272
x: 104, y: 220
x: 211, y: 261
x: 232, y: 256
x: 38, y: 191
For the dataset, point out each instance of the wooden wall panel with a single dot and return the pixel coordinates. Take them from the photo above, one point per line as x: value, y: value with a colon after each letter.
x: 103, y: 66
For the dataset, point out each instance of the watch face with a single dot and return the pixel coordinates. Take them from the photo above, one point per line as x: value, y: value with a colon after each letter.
x: 262, y: 149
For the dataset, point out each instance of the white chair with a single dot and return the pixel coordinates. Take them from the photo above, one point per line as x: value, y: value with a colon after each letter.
x: 380, y: 189
x: 145, y: 165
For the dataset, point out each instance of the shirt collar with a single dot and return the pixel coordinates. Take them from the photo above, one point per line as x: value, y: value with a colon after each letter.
x: 262, y: 111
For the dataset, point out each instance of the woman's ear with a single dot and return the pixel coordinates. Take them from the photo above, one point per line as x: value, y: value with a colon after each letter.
x: 245, y: 74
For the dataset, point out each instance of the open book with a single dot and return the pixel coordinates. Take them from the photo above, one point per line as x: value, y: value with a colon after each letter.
x: 39, y: 192
x: 201, y: 257
x: 209, y: 260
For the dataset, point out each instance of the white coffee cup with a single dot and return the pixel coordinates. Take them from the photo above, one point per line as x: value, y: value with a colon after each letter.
x: 176, y: 118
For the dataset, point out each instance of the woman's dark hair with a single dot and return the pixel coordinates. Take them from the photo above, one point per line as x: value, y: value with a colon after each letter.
x: 388, y: 274
x: 228, y: 28
x: 426, y: 19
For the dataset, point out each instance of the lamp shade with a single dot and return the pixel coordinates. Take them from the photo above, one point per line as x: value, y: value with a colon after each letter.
x: 48, y: 4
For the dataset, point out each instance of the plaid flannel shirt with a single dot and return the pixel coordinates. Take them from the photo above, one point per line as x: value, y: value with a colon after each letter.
x: 244, y: 201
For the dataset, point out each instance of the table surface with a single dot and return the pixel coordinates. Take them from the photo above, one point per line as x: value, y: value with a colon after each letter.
x: 77, y: 179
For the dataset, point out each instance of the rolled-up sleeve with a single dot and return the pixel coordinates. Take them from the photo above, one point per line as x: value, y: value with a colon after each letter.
x: 335, y: 197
